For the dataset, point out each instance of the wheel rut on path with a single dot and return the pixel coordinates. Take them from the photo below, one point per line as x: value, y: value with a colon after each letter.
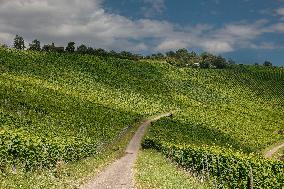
x: 120, y: 175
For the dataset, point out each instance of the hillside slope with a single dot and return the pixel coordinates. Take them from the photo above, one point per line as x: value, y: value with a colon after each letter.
x: 65, y: 106
x: 53, y: 104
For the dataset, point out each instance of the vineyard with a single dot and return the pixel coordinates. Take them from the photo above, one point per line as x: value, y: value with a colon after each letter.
x: 65, y: 107
x: 227, y: 118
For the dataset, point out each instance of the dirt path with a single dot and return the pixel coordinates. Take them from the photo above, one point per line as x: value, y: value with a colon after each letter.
x: 119, y: 175
x: 270, y: 153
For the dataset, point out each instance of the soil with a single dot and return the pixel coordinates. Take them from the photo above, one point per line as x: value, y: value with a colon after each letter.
x: 119, y: 175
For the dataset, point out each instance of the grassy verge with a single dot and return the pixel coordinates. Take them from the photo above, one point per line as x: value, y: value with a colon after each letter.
x: 69, y: 175
x: 153, y: 170
x: 280, y: 154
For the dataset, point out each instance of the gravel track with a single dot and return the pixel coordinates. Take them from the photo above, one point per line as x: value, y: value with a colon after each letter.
x: 119, y: 175
x: 270, y: 153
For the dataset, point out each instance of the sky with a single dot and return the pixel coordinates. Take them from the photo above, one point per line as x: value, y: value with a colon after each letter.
x: 247, y: 31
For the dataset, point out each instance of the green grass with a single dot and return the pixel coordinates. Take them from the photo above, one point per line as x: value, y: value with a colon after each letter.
x: 67, y: 175
x: 62, y: 107
x: 66, y: 98
x: 280, y: 154
x: 155, y: 171
x: 238, y: 108
x: 225, y: 115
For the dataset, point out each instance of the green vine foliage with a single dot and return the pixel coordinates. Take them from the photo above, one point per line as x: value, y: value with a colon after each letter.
x: 229, y: 168
x: 63, y: 107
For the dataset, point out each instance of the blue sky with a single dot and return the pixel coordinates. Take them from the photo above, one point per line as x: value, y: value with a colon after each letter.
x: 247, y: 31
x: 217, y: 13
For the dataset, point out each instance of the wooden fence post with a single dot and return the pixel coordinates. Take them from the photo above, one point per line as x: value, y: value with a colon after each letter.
x: 207, y: 168
x: 202, y: 168
x: 250, y: 178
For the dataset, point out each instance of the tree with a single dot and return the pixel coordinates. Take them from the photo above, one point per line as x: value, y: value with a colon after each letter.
x: 205, y: 55
x: 113, y: 53
x: 125, y: 54
x: 170, y: 54
x: 160, y: 55
x: 213, y: 61
x: 70, y: 47
x: 205, y: 64
x: 219, y: 62
x: 182, y: 53
x: 58, y: 49
x: 19, y: 42
x: 267, y: 63
x: 231, y: 61
x: 100, y: 52
x: 3, y: 45
x: 49, y: 48
x: 90, y: 50
x: 46, y: 48
x: 52, y: 48
x: 35, y: 45
x: 82, y: 49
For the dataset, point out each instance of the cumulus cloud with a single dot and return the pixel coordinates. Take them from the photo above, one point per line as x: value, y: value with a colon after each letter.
x: 89, y: 23
x: 268, y: 45
x: 217, y: 46
x: 279, y: 27
x: 243, y: 30
x: 170, y: 44
x: 216, y: 40
x: 280, y: 11
x: 153, y: 7
x: 4, y: 37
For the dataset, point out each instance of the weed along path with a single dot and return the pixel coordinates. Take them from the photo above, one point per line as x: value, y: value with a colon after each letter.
x: 119, y: 175
x: 272, y: 151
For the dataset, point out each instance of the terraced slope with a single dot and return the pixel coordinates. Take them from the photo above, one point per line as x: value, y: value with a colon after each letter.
x: 221, y: 130
x: 240, y: 108
x: 64, y: 107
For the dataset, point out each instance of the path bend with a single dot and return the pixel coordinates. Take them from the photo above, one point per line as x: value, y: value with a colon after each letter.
x: 119, y: 175
x: 275, y: 149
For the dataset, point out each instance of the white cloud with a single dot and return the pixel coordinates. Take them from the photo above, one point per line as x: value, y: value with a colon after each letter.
x: 280, y: 11
x: 217, y: 46
x: 89, y: 23
x: 279, y: 27
x: 4, y: 38
x: 171, y: 44
x: 61, y: 21
x: 70, y: 20
x: 240, y: 31
x: 267, y: 45
x: 153, y: 7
